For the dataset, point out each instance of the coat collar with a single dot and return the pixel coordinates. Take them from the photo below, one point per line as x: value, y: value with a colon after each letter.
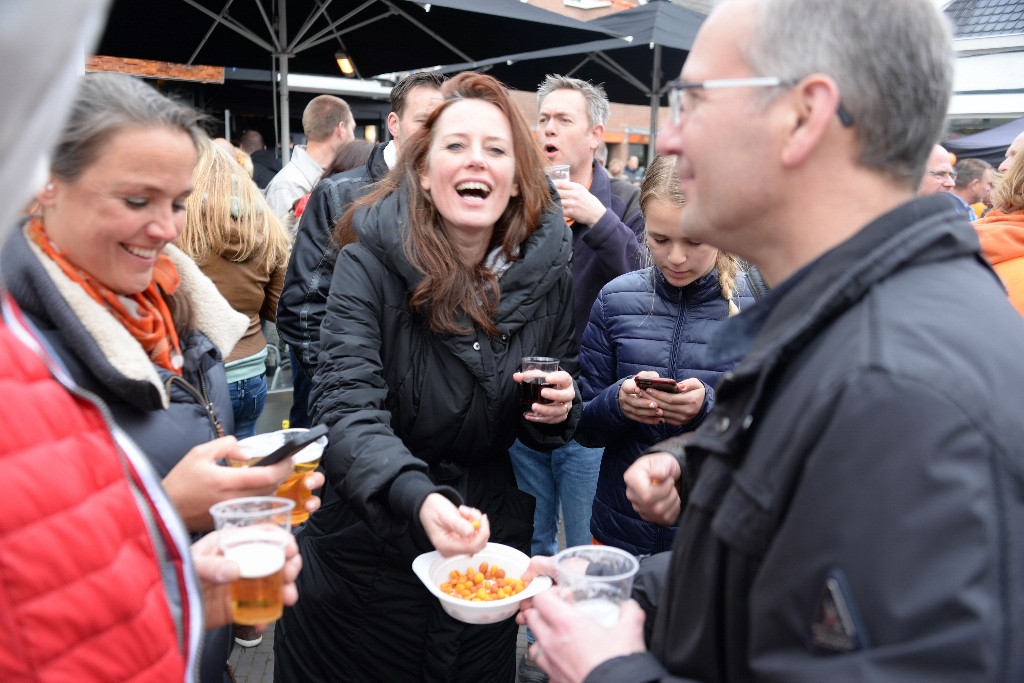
x: 700, y: 290
x: 791, y: 316
x: 383, y: 228
x: 104, y: 345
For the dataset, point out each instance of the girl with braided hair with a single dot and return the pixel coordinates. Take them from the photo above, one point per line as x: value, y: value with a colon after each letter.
x: 647, y: 324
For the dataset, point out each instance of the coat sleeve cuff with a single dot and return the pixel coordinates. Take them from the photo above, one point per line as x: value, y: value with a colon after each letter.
x: 547, y: 437
x: 675, y: 445
x: 406, y: 496
x: 603, y: 418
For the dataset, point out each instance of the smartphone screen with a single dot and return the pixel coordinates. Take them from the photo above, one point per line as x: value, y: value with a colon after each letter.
x: 293, y: 444
x: 666, y: 384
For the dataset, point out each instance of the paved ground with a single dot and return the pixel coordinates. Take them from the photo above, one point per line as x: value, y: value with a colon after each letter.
x: 256, y: 664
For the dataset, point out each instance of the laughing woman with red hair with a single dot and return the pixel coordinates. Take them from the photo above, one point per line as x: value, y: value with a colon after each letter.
x: 456, y: 267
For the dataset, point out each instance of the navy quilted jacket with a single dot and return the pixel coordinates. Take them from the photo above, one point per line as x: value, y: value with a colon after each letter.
x: 633, y: 328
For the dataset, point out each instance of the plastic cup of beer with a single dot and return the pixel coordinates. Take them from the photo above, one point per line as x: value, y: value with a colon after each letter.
x: 596, y: 579
x: 254, y: 533
x: 535, y: 369
x: 557, y: 172
x: 304, y: 462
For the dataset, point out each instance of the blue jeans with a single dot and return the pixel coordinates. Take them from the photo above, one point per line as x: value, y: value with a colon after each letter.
x: 566, y: 476
x: 248, y: 396
x: 301, y: 386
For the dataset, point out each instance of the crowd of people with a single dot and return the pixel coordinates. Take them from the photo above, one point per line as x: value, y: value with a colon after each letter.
x: 793, y: 398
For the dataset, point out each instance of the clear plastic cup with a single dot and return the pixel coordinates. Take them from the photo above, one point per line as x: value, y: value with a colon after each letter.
x: 596, y: 579
x: 254, y: 532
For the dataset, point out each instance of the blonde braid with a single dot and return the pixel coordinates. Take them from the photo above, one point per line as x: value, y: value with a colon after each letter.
x: 728, y: 268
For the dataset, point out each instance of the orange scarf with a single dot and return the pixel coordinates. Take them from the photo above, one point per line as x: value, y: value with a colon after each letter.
x: 150, y: 323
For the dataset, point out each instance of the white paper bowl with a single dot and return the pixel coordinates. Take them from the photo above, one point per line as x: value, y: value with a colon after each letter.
x: 433, y: 570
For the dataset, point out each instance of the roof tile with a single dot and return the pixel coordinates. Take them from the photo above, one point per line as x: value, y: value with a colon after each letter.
x: 979, y: 18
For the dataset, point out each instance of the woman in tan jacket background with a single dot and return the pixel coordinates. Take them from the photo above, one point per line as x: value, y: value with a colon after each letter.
x: 240, y: 244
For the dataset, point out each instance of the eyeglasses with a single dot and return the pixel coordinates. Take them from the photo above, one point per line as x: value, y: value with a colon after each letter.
x: 676, y: 89
x: 942, y: 175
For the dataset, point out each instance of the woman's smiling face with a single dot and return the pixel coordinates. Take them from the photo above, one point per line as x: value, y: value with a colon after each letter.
x: 471, y: 166
x: 114, y: 219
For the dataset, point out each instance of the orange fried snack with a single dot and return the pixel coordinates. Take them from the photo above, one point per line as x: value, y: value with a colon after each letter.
x: 482, y: 584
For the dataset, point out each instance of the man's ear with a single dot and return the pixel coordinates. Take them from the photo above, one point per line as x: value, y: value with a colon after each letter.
x: 393, y: 125
x: 814, y: 101
x: 596, y: 136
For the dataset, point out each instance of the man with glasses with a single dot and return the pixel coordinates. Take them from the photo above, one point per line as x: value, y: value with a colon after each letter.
x: 939, y: 174
x: 853, y: 507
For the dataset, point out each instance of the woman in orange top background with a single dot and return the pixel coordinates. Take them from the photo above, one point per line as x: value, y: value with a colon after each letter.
x: 1001, y: 232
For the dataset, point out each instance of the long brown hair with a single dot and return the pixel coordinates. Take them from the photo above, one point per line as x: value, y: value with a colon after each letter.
x: 452, y: 291
x: 661, y: 184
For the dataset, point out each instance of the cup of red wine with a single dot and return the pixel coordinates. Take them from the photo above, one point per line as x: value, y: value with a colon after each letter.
x: 535, y: 369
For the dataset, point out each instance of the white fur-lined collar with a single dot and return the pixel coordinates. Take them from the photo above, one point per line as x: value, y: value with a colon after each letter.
x: 212, y: 314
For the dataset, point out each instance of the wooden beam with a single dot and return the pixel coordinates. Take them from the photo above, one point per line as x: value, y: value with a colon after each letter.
x: 147, y: 68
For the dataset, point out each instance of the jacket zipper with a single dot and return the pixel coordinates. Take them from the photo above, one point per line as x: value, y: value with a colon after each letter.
x: 201, y: 397
x: 673, y: 360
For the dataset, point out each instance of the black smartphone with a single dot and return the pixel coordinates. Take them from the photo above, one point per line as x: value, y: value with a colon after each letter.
x: 294, y: 443
x: 666, y: 384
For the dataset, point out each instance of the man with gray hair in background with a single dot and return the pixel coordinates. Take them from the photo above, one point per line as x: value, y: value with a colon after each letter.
x: 853, y: 507
x: 327, y: 124
x: 974, y: 184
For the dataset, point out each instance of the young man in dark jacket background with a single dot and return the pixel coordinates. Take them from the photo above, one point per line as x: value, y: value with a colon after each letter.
x: 300, y: 309
x: 858, y: 510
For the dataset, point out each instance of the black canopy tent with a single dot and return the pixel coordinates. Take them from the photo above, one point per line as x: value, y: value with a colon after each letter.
x: 660, y: 36
x: 381, y: 36
x: 989, y: 145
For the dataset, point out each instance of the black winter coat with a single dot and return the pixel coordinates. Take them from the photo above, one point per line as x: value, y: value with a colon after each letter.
x: 413, y: 412
x: 859, y: 515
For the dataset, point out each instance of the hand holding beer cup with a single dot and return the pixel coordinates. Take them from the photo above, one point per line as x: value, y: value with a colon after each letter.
x: 303, y: 479
x: 255, y: 533
x: 197, y: 481
x: 216, y: 574
x: 575, y: 630
x: 546, y: 392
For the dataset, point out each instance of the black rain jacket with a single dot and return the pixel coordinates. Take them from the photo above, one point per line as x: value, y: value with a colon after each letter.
x: 859, y: 511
